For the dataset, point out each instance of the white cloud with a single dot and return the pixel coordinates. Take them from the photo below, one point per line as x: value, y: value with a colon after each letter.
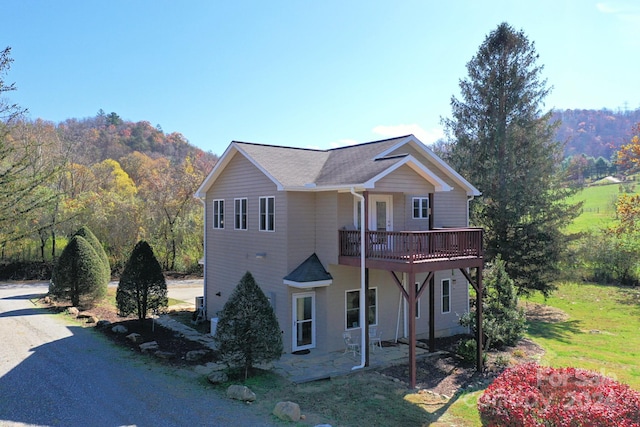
x: 426, y: 136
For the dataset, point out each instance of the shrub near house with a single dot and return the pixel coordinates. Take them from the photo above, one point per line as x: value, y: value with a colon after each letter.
x: 532, y: 395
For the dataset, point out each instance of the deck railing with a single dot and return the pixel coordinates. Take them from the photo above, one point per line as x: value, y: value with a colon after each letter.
x: 414, y: 246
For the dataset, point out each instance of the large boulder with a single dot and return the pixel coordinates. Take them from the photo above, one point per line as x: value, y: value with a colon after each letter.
x: 287, y: 411
x: 241, y: 392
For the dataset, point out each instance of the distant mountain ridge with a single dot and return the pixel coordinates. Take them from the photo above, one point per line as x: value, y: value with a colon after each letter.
x: 594, y: 132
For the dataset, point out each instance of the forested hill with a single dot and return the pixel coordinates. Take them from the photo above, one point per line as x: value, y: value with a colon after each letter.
x: 107, y: 136
x: 595, y: 132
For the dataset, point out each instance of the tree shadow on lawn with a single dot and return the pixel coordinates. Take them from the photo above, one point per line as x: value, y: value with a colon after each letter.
x: 560, y: 331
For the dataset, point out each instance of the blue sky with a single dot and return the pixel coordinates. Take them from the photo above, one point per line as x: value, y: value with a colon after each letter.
x: 302, y: 73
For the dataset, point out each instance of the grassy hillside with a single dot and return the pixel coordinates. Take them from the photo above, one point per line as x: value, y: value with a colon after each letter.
x: 598, y: 209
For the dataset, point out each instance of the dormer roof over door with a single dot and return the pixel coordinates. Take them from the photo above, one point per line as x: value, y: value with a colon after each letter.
x: 356, y: 166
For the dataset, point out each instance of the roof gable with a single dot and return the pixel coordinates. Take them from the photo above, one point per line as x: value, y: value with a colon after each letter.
x: 358, y: 166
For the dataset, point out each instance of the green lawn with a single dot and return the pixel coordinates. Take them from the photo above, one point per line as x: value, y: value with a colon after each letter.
x: 602, y: 334
x: 598, y: 209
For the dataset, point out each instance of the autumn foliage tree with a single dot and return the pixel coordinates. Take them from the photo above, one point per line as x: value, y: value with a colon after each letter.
x: 629, y: 154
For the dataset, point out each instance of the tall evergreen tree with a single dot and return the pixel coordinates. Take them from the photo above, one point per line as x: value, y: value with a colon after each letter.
x: 248, y: 331
x: 142, y: 286
x: 504, y: 144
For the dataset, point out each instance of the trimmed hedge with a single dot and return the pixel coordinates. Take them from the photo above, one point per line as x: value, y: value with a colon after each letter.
x: 532, y: 395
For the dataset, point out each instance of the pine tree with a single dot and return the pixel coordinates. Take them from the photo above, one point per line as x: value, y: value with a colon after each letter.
x: 504, y: 145
x: 248, y: 331
x: 142, y: 286
x: 503, y: 323
x: 78, y: 274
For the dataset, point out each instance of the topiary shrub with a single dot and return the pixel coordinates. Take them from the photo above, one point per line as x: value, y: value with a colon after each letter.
x: 248, y: 331
x: 142, y: 286
x: 532, y: 395
x: 86, y: 233
x: 78, y: 274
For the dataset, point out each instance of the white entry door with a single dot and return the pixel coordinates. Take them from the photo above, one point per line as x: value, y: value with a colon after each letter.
x: 380, y: 212
x: 304, y: 321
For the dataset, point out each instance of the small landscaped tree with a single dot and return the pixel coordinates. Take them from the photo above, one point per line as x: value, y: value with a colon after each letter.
x: 248, y: 331
x: 503, y: 322
x: 79, y: 273
x: 142, y: 286
x: 86, y: 233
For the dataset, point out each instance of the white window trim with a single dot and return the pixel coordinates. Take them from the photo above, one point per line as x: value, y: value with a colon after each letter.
x: 347, y: 327
x: 421, y: 200
x: 218, y: 214
x: 235, y: 213
x: 442, y: 295
x: 266, y: 224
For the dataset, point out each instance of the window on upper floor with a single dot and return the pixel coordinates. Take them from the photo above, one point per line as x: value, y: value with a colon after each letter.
x: 267, y: 213
x: 446, y: 295
x: 218, y: 213
x: 352, y: 305
x: 240, y: 214
x: 420, y: 207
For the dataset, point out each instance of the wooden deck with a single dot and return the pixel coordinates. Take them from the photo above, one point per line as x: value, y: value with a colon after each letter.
x: 414, y: 250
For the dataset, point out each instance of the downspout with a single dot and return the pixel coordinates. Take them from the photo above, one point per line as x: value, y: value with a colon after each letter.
x: 363, y: 309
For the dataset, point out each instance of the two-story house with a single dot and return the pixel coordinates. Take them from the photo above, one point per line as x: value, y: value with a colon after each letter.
x: 293, y: 218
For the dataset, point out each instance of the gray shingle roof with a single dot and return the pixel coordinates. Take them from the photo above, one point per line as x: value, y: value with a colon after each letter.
x: 311, y: 270
x: 296, y: 167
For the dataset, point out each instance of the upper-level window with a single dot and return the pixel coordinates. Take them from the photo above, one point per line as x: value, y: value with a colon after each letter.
x: 218, y: 213
x: 421, y: 207
x: 240, y: 214
x: 446, y: 295
x: 267, y: 213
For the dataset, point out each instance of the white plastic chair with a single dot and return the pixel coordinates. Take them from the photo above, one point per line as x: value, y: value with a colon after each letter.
x: 375, y: 338
x: 349, y: 345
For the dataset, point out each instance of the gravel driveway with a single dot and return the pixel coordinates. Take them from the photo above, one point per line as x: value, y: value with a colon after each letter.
x: 55, y: 373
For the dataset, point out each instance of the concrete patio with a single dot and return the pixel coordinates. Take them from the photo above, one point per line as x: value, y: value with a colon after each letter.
x: 316, y: 364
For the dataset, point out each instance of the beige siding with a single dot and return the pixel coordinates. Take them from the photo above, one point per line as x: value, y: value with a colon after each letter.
x: 301, y: 227
x: 404, y: 179
x: 450, y: 209
x: 326, y: 227
x: 231, y: 253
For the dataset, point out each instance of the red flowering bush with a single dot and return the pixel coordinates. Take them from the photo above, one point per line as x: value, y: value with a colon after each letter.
x: 532, y: 395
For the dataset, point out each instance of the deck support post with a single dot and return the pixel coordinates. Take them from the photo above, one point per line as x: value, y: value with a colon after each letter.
x: 412, y: 329
x: 432, y: 314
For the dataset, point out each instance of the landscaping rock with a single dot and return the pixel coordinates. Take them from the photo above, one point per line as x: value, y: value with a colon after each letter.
x: 134, y: 337
x: 164, y: 354
x: 195, y: 355
x: 218, y: 377
x: 92, y: 319
x: 149, y: 346
x: 102, y: 323
x: 119, y: 329
x: 287, y: 411
x: 73, y: 311
x: 241, y: 392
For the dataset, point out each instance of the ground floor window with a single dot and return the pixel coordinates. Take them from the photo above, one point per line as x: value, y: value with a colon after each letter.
x: 352, y: 305
x: 446, y: 295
